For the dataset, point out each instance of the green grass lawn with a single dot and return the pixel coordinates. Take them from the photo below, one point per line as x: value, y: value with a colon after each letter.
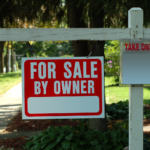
x: 116, y: 93
x: 8, y: 80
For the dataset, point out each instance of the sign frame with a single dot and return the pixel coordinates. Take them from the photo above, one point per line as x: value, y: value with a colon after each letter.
x: 24, y: 116
x: 134, y: 72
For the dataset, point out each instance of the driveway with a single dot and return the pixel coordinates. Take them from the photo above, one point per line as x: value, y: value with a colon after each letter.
x: 9, y: 104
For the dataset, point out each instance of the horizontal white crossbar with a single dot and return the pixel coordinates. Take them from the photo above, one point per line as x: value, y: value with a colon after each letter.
x: 63, y: 34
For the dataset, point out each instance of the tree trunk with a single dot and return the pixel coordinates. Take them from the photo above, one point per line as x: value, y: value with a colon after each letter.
x: 97, y: 48
x: 7, y: 58
x: 12, y: 57
x: 2, y: 56
x: 74, y: 14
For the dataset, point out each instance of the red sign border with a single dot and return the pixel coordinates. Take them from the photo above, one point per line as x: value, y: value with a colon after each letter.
x: 69, y: 114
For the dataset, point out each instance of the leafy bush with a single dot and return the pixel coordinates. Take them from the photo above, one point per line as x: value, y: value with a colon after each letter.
x: 146, y: 114
x: 118, y: 110
x: 78, y: 138
x: 125, y: 125
x: 146, y: 144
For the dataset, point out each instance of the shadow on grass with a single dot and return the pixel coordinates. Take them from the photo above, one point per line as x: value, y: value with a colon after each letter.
x: 148, y: 88
x: 145, y: 101
x: 112, y: 85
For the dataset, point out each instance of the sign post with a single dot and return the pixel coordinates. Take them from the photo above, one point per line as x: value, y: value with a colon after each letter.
x: 59, y: 87
x: 135, y: 23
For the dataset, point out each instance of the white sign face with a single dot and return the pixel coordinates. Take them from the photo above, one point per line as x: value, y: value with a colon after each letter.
x: 134, y: 62
x: 59, y: 87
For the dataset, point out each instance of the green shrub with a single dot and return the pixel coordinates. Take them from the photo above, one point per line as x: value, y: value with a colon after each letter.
x: 125, y: 125
x: 118, y: 110
x: 146, y: 114
x: 78, y: 138
x: 146, y: 144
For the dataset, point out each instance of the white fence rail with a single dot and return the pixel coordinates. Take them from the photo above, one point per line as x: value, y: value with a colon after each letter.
x: 63, y: 34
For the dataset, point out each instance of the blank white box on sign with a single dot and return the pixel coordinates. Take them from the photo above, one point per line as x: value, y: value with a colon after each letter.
x: 56, y: 104
x: 134, y: 64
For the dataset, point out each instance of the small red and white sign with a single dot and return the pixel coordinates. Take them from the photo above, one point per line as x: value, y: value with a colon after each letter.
x: 137, y: 46
x: 60, y: 87
x: 134, y: 62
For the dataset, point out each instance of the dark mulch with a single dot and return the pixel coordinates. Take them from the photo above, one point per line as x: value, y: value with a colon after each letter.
x: 16, y: 143
x: 18, y: 124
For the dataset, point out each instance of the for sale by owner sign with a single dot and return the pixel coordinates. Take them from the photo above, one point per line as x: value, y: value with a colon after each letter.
x: 58, y: 87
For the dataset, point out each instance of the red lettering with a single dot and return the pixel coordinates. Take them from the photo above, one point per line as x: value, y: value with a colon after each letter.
x: 129, y: 47
x: 147, y: 46
x: 126, y: 45
x: 142, y: 46
x: 137, y: 46
x: 133, y: 47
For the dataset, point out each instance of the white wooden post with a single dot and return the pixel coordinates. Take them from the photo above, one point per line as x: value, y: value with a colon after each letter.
x: 135, y: 23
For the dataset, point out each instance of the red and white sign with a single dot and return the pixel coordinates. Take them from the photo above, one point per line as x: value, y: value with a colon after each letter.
x: 137, y: 47
x: 134, y: 62
x: 61, y: 87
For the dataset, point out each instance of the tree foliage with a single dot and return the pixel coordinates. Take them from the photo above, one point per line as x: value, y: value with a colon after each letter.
x: 43, y: 49
x: 112, y: 51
